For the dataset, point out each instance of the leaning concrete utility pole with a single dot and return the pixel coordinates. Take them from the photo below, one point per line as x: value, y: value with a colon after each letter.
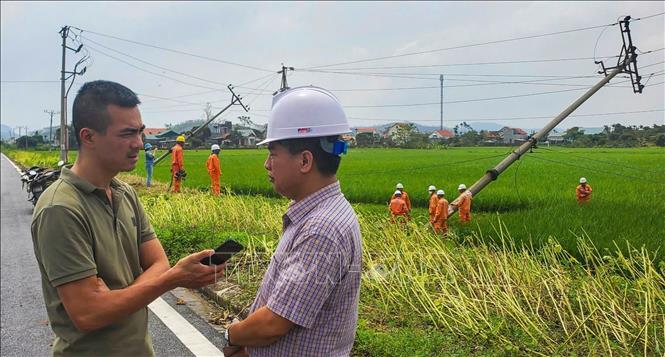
x: 627, y: 63
x: 234, y: 100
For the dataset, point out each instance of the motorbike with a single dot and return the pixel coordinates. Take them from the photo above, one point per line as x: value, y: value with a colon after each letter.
x: 36, y: 179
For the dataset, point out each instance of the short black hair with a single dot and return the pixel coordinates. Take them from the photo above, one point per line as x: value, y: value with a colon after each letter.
x: 326, y: 163
x: 91, y: 102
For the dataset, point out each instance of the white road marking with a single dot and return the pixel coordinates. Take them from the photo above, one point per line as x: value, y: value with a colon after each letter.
x: 186, y: 333
x: 11, y: 162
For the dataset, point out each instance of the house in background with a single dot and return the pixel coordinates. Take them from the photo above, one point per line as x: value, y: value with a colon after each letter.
x: 555, y: 137
x: 491, y: 137
x: 441, y: 135
x: 220, y: 133
x: 513, y: 135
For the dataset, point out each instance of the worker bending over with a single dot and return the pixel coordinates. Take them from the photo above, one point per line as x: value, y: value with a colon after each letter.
x: 405, y: 197
x: 398, y: 207
x: 583, y: 192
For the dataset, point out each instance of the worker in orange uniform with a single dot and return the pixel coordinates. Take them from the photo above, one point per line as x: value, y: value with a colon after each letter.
x: 433, y: 200
x: 405, y: 197
x: 441, y: 215
x: 177, y: 163
x: 583, y: 192
x: 214, y: 170
x: 398, y: 208
x: 463, y: 203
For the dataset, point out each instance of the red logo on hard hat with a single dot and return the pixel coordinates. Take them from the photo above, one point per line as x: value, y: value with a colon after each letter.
x: 304, y: 130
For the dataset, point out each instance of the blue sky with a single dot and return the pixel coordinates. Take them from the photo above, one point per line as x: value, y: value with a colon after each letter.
x: 308, y: 34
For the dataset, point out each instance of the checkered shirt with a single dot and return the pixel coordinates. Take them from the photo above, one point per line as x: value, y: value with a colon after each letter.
x: 313, y: 279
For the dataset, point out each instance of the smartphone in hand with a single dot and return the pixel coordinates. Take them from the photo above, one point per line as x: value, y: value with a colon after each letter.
x: 223, y: 253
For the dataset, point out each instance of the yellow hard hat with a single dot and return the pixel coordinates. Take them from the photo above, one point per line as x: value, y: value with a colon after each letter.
x: 180, y: 139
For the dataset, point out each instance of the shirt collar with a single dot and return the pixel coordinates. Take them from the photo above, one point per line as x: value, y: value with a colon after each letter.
x: 298, y: 210
x: 84, y: 185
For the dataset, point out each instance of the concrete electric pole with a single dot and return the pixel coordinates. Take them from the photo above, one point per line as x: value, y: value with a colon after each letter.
x: 441, y: 79
x: 627, y: 63
x: 50, y: 127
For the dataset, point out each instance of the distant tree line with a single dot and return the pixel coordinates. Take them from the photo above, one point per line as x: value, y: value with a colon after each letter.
x: 617, y: 135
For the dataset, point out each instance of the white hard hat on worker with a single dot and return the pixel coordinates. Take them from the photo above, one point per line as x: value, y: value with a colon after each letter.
x: 305, y: 112
x: 303, y: 138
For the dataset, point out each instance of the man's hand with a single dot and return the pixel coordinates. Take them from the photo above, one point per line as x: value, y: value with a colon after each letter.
x: 190, y: 273
x: 235, y: 351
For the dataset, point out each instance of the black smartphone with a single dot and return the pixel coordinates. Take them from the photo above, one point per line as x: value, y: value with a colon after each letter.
x: 223, y: 253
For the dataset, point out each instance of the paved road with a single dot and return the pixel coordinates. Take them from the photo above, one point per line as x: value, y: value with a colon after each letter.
x: 24, y: 325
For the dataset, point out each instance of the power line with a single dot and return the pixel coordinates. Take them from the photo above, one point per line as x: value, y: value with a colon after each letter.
x: 477, y: 44
x: 152, y: 64
x: 615, y: 164
x: 151, y: 72
x: 466, y: 100
x: 30, y: 81
x: 475, y: 63
x: 426, y: 167
x: 506, y: 118
x: 174, y: 51
x: 462, y: 46
x: 642, y: 179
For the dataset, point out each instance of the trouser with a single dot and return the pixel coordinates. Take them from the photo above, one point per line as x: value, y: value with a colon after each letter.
x: 399, y: 218
x: 441, y: 227
x: 176, y: 184
x: 214, y: 185
x: 148, y: 175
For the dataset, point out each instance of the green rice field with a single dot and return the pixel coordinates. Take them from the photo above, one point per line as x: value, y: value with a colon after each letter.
x: 534, y: 198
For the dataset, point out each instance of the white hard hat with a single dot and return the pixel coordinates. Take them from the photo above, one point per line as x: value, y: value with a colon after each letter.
x: 431, y: 188
x: 440, y: 193
x: 582, y: 180
x: 399, y: 185
x: 461, y: 187
x: 214, y: 147
x: 398, y: 193
x: 305, y: 112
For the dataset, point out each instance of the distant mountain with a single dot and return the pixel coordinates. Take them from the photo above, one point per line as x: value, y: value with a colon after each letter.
x: 5, y: 132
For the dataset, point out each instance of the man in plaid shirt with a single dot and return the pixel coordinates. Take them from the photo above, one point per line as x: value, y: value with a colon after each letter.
x: 308, y: 301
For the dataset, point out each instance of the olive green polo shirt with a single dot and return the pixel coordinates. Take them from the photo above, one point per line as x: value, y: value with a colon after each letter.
x: 78, y: 233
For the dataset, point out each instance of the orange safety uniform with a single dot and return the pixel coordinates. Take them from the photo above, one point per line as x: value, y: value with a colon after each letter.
x: 177, y: 164
x: 463, y: 202
x: 405, y: 198
x: 441, y: 216
x: 583, y: 193
x: 215, y: 172
x: 398, y: 207
x: 433, y: 201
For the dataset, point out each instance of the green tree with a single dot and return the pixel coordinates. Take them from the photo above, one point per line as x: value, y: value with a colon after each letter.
x: 365, y: 139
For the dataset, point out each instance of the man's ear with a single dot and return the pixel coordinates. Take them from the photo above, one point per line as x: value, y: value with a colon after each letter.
x: 87, y: 136
x: 306, y: 161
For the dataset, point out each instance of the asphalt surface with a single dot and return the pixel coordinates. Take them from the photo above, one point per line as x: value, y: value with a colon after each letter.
x: 24, y: 325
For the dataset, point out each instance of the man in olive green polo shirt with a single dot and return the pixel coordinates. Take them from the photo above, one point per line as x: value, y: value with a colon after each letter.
x: 100, y: 261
